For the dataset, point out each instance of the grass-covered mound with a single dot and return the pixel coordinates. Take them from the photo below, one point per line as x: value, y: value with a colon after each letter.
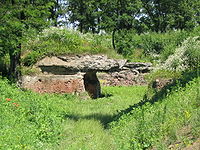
x: 60, y: 41
x: 169, y: 120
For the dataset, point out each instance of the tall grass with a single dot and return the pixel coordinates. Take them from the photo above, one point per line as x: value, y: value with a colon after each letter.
x: 60, y: 41
x: 29, y: 121
x: 174, y: 118
x: 33, y: 121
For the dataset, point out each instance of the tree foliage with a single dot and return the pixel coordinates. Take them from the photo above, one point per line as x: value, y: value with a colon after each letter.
x: 139, y: 15
x: 118, y: 17
x: 163, y: 15
x: 85, y: 14
x: 154, y: 15
x: 17, y: 17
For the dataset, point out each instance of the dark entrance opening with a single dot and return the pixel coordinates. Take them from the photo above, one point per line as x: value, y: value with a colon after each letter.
x: 92, y: 84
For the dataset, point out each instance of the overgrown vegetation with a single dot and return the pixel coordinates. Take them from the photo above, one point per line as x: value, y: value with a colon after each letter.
x: 151, y: 46
x: 162, y: 122
x: 145, y: 47
x: 58, y: 41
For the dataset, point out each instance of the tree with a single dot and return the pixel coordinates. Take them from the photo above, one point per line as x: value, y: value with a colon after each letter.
x: 58, y: 13
x: 85, y: 14
x: 16, y: 18
x: 163, y: 15
x: 96, y: 15
x: 185, y: 14
x: 119, y: 15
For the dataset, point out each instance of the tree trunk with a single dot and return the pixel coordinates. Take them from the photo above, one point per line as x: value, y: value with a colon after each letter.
x: 14, y: 70
x: 113, y: 39
x: 81, y: 27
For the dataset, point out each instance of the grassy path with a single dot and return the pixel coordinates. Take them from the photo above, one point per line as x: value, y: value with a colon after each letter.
x: 85, y: 127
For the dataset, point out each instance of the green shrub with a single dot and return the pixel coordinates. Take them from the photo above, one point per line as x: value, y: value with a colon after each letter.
x: 153, y: 45
x: 163, y: 44
x: 185, y: 57
x: 58, y: 41
x: 124, y: 42
x: 193, y: 53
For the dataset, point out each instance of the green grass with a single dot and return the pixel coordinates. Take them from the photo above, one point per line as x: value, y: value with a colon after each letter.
x: 29, y: 120
x: 120, y: 120
x: 172, y: 119
x: 86, y: 126
x: 33, y: 121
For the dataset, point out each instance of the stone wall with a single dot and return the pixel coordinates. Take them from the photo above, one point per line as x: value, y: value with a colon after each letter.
x: 121, y: 78
x: 54, y: 83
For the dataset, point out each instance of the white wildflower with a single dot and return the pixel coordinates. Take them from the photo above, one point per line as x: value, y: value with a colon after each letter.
x: 178, y: 61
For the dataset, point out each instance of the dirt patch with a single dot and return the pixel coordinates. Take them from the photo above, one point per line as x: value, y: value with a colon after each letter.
x: 161, y: 82
x: 187, y: 140
x: 194, y: 146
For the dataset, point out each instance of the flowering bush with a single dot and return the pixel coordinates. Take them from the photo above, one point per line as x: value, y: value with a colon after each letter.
x: 185, y: 57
